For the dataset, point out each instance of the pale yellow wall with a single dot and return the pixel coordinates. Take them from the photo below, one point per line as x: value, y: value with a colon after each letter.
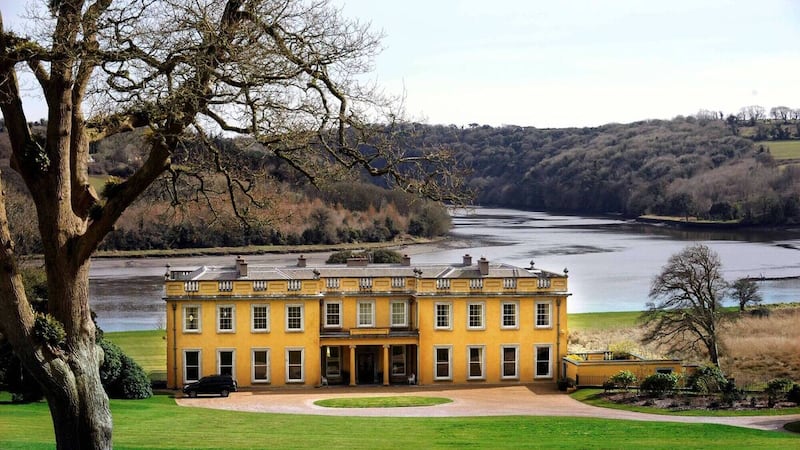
x: 602, y: 370
x: 243, y: 340
x: 492, y: 337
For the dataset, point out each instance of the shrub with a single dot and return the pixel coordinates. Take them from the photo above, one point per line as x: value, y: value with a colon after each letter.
x: 777, y: 388
x: 111, y: 368
x: 132, y: 382
x: 49, y: 330
x: 385, y: 256
x: 707, y: 379
x: 624, y: 379
x: 339, y: 257
x: 794, y: 394
x: 659, y: 384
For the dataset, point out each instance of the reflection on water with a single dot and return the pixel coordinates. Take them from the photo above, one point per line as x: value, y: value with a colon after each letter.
x: 611, y: 262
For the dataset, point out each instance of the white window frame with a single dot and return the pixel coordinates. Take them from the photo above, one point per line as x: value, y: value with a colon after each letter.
x: 449, y: 325
x: 481, y: 363
x: 371, y: 323
x: 482, y: 317
x: 503, y: 316
x: 233, y: 360
x: 392, y: 316
x: 536, y: 348
x: 401, y: 356
x: 253, y: 327
x: 198, y: 318
x: 302, y: 317
x: 339, y: 314
x: 232, y: 329
x: 302, y: 351
x: 436, y: 362
x: 549, y: 316
x: 503, y: 361
x: 267, y: 364
x: 199, y: 352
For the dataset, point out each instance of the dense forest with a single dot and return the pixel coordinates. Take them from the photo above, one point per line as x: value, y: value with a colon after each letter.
x: 704, y: 167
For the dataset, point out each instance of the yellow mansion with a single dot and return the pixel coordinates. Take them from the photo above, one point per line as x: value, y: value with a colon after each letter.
x: 361, y: 323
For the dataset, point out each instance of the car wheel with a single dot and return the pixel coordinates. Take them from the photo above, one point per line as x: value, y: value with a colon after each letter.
x: 224, y: 393
x: 192, y: 394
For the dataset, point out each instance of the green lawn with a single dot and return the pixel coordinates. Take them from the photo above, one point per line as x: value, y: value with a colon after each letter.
x: 148, y: 348
x: 784, y: 149
x: 381, y: 402
x: 602, y: 320
x: 590, y: 397
x: 159, y: 423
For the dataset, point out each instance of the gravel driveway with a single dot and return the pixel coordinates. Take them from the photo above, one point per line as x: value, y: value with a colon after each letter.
x: 518, y: 400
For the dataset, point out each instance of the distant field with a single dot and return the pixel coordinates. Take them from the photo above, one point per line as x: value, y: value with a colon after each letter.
x: 782, y: 150
x: 602, y: 320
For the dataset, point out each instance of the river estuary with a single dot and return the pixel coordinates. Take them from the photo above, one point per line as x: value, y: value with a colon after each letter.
x: 611, y: 262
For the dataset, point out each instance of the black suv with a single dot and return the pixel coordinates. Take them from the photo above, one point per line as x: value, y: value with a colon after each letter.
x: 212, y: 384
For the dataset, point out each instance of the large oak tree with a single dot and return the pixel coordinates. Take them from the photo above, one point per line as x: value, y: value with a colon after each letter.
x: 686, y: 307
x: 287, y: 75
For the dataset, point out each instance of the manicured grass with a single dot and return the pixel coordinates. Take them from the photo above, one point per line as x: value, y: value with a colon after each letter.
x: 784, y: 149
x: 381, y: 402
x: 98, y: 182
x: 159, y: 423
x: 591, y: 397
x: 794, y: 427
x: 148, y: 348
x: 602, y: 320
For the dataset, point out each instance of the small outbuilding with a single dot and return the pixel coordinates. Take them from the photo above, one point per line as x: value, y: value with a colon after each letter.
x: 596, y: 367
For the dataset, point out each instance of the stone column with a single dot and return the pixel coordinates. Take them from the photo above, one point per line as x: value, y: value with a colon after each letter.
x: 385, y: 365
x: 352, y: 365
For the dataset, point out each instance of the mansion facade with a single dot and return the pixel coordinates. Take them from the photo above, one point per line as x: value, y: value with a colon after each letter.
x: 361, y: 323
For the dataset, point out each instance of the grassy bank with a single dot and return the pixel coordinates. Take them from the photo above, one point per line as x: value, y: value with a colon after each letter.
x: 148, y: 348
x: 159, y: 423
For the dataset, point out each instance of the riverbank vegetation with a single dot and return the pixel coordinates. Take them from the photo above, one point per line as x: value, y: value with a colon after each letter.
x: 160, y: 423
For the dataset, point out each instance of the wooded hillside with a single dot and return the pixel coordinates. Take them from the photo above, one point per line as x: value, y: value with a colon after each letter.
x: 682, y: 167
x: 194, y: 213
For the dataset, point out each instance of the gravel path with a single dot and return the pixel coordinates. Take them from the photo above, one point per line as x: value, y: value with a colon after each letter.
x: 525, y: 400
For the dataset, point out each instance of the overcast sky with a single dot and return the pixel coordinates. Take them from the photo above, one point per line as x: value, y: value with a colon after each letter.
x: 579, y: 62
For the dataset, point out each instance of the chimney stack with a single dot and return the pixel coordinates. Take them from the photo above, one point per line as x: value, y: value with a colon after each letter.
x: 483, y: 266
x: 357, y: 261
x: 467, y: 260
x: 406, y: 260
x: 301, y: 261
x: 241, y: 267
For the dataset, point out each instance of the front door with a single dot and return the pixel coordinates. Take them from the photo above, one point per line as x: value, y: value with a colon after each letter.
x: 365, y: 362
